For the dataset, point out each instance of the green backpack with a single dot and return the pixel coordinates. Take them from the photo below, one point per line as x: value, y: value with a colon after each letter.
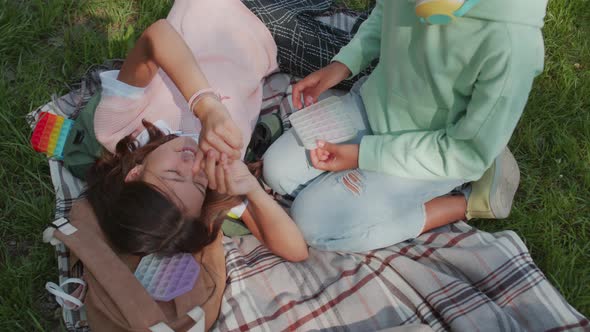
x: 81, y: 148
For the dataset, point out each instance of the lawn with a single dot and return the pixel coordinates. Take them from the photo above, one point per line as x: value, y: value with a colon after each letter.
x: 46, y: 44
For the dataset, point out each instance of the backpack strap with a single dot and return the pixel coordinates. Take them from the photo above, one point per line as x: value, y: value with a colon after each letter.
x: 137, y: 308
x: 197, y: 319
x: 64, y: 299
x: 107, y: 268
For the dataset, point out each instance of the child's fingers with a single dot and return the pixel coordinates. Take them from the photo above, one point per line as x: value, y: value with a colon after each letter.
x: 220, y: 178
x: 302, y: 88
x: 316, y: 161
x: 210, y: 168
x: 327, y: 146
x: 313, y: 155
x: 319, y: 154
x: 296, y: 94
x: 221, y: 182
x: 204, y: 146
x: 323, y: 155
x: 220, y: 145
x: 322, y: 165
x: 231, y: 135
x: 198, y: 165
x: 228, y: 178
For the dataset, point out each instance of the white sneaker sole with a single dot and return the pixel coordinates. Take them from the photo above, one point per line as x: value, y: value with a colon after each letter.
x: 502, y: 192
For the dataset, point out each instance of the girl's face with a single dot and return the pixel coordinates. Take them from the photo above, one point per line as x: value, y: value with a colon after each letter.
x: 175, y: 168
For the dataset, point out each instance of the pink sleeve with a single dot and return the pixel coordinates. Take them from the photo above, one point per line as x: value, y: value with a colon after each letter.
x: 119, y: 111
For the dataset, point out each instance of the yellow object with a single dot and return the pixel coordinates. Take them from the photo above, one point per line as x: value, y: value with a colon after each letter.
x: 437, y: 9
x: 53, y: 138
x: 51, y: 146
x: 233, y: 215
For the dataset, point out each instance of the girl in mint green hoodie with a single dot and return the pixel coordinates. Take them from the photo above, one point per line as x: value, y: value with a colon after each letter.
x: 437, y: 112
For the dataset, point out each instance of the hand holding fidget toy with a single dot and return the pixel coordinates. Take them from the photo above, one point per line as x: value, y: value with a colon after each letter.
x: 326, y: 120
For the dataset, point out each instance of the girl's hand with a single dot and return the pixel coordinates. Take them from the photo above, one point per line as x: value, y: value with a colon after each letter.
x: 230, y: 177
x: 219, y: 131
x: 317, y: 82
x: 335, y: 157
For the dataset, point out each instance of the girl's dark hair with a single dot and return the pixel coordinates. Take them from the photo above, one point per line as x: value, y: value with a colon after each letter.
x: 137, y: 217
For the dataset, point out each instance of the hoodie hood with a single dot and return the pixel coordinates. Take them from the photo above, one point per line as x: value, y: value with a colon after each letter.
x: 526, y: 12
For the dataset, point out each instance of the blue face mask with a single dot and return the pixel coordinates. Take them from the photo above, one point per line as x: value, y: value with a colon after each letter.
x: 144, y: 137
x: 442, y: 11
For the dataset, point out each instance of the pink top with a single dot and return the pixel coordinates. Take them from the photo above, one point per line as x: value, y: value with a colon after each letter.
x: 235, y: 52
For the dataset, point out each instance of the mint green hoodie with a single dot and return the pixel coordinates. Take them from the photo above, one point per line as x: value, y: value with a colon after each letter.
x: 444, y: 100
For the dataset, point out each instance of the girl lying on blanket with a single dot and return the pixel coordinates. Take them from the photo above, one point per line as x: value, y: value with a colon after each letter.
x: 157, y: 190
x: 146, y: 196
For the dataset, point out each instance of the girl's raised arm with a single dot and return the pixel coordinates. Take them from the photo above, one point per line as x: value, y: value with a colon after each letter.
x: 265, y: 218
x: 160, y: 46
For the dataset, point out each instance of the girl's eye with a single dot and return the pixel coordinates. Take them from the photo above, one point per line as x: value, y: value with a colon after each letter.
x: 177, y: 174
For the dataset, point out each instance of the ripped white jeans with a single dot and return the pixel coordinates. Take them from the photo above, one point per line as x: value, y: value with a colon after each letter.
x: 353, y: 210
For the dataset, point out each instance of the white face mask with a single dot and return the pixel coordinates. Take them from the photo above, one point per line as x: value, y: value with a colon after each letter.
x: 144, y: 137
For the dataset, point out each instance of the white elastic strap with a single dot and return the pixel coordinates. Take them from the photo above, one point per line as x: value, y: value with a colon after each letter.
x: 64, y: 299
x: 195, y: 137
x: 161, y: 327
x: 144, y: 136
x: 64, y: 226
x: 49, y: 238
x: 198, y: 315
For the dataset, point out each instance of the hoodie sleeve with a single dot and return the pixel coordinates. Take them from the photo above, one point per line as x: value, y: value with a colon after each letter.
x: 366, y: 44
x: 467, y: 147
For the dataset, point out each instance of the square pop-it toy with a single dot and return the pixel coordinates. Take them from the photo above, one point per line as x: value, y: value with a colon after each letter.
x: 326, y: 120
x: 165, y: 278
x: 50, y: 134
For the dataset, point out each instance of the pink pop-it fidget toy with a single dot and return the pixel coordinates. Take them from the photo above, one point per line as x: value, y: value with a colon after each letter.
x: 165, y: 278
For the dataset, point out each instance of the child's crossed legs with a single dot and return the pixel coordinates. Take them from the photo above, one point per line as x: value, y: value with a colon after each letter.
x: 357, y: 210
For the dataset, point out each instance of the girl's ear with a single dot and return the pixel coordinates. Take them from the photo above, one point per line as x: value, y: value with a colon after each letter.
x: 134, y: 174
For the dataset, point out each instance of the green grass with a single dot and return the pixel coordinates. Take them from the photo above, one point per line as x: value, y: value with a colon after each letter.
x: 45, y: 44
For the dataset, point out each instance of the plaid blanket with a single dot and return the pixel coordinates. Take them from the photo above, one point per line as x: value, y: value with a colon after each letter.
x: 454, y: 278
x: 308, y: 33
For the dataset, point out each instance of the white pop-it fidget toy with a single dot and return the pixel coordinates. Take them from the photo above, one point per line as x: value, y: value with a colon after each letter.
x: 326, y: 120
x: 165, y: 278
